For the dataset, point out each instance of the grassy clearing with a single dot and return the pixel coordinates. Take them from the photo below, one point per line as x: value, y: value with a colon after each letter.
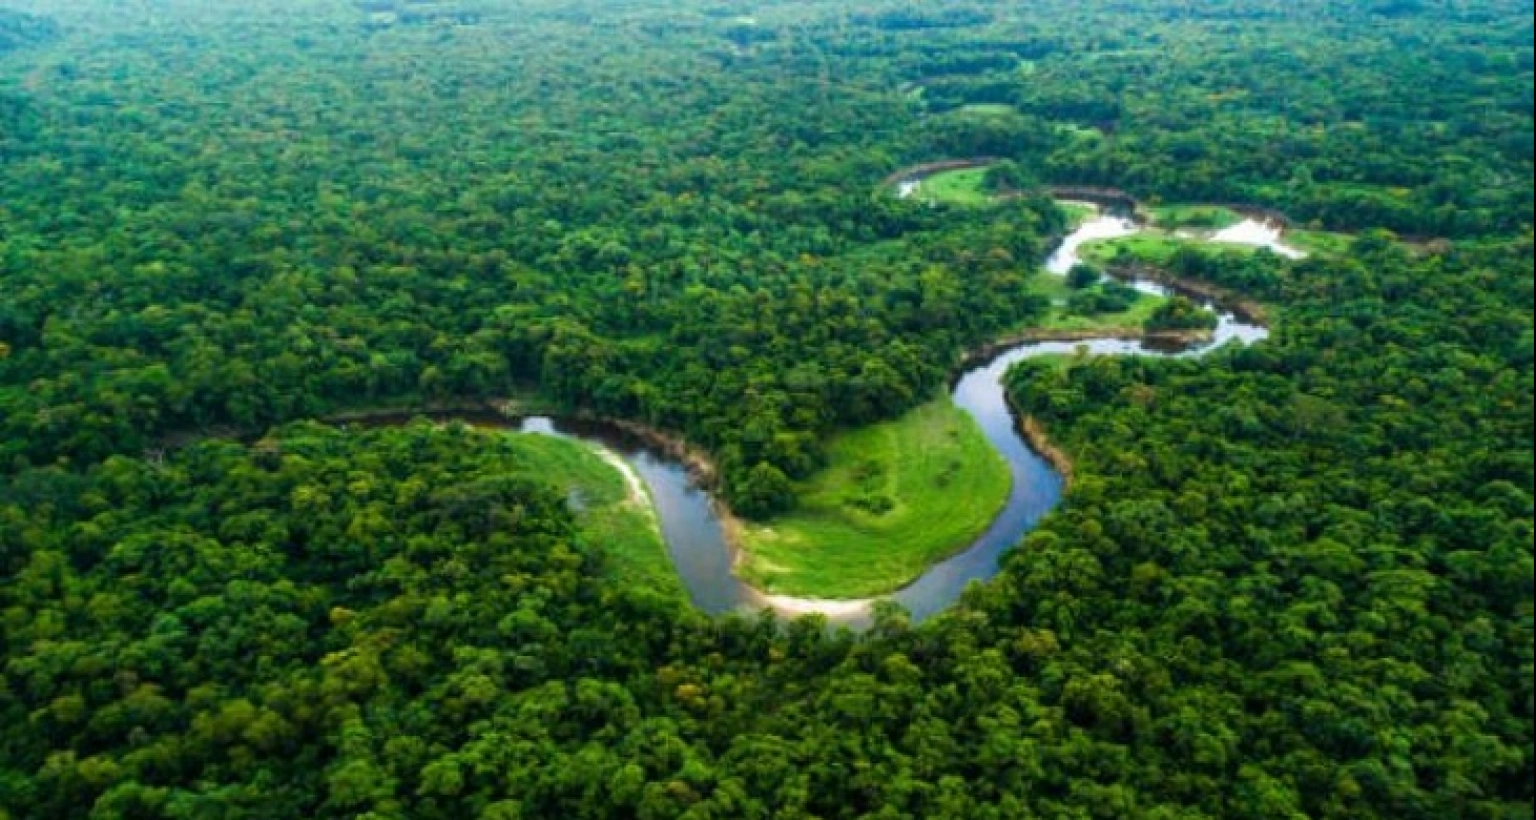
x: 1131, y: 318
x: 1055, y: 289
x: 1152, y: 248
x: 1320, y: 243
x: 1199, y: 217
x: 895, y: 498
x: 1080, y: 133
x: 1060, y: 361
x: 626, y: 529
x: 986, y: 109
x: 961, y: 187
x: 1156, y: 245
x: 1051, y: 286
x: 1077, y: 212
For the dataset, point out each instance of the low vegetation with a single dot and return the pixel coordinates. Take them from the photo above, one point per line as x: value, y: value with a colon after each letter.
x: 1324, y: 243
x: 1152, y: 248
x: 964, y: 187
x: 1193, y: 217
x: 1078, y: 212
x: 1074, y: 311
x: 615, y: 517
x: 894, y: 498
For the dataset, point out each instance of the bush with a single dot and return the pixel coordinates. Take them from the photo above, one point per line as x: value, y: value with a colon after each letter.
x: 1083, y: 275
x: 1179, y: 313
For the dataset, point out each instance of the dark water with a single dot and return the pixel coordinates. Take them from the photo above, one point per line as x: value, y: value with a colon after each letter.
x: 696, y: 539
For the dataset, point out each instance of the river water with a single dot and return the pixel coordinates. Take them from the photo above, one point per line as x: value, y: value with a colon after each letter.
x: 696, y: 538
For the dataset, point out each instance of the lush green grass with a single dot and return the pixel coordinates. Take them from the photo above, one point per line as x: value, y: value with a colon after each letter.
x: 1151, y: 247
x: 1199, y: 217
x: 1080, y: 132
x: 1321, y: 243
x: 1078, y: 212
x: 894, y: 498
x: 961, y: 187
x: 623, y: 526
x: 986, y: 109
x: 1060, y: 361
x: 1055, y: 288
x: 1155, y: 247
x: 1133, y: 317
x: 1051, y: 286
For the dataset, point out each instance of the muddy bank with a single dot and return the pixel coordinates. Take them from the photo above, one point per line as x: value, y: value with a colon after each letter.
x: 700, y: 467
x: 1243, y: 307
x: 1033, y: 433
x: 1161, y: 339
x: 1111, y: 198
x: 928, y: 169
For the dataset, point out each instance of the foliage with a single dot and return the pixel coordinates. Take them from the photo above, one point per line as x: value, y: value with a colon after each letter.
x: 254, y: 613
x: 1109, y: 296
x: 1006, y: 177
x: 19, y: 29
x: 1330, y: 514
x: 614, y: 517
x: 1289, y: 580
x: 1084, y: 275
x: 1207, y: 217
x: 745, y: 295
x: 1180, y: 313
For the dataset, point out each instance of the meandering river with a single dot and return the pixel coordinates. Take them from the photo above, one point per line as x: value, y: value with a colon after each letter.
x: 696, y: 536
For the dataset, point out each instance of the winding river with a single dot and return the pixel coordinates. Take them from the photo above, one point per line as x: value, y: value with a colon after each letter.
x: 695, y: 533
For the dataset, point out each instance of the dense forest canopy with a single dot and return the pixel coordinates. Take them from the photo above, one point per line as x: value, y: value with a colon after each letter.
x: 1289, y: 580
x: 18, y: 29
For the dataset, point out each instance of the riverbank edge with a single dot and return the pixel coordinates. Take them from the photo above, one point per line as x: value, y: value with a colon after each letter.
x: 1098, y: 194
x: 1243, y: 307
x: 1039, y: 440
x: 991, y: 350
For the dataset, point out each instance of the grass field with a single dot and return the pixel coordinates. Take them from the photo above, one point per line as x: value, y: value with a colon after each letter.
x: 1077, y: 212
x: 1200, y: 217
x: 986, y: 109
x: 624, y: 527
x: 1155, y: 247
x: 1131, y: 318
x: 1051, y: 286
x: 895, y: 498
x: 1055, y: 289
x: 1080, y: 132
x: 1060, y: 361
x: 1151, y: 248
x: 962, y: 187
x: 1321, y: 243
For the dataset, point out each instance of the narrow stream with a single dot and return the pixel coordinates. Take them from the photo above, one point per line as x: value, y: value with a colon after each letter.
x: 696, y: 539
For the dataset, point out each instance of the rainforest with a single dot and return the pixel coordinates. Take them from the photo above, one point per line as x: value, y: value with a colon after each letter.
x: 767, y: 409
